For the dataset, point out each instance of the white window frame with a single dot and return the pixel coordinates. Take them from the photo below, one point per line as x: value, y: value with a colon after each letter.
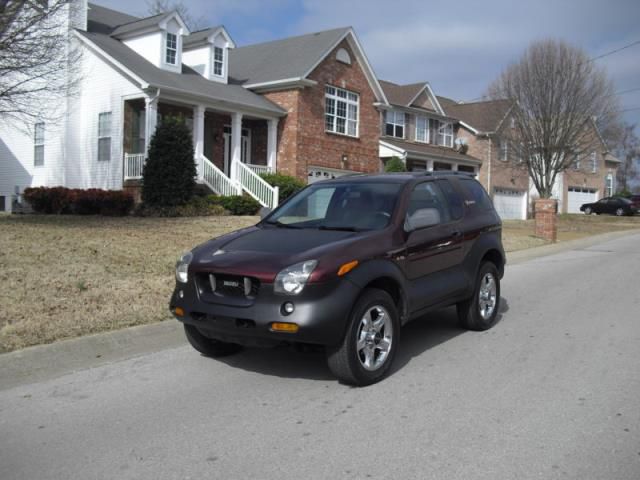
x: 104, y: 135
x: 38, y: 143
x: 168, y: 49
x: 609, y: 185
x: 503, y: 153
x: 396, y: 119
x: 445, y: 129
x: 594, y: 162
x: 576, y: 162
x: 422, y: 118
x: 217, y: 62
x: 336, y: 98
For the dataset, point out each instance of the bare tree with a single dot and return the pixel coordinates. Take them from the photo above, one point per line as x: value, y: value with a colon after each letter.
x: 161, y: 6
x: 559, y: 96
x: 39, y: 65
x: 628, y: 151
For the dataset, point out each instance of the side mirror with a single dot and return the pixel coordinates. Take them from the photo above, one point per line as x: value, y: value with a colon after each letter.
x: 422, y: 218
x: 264, y: 211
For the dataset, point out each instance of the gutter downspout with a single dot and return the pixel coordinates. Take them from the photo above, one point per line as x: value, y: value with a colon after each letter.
x: 489, y: 168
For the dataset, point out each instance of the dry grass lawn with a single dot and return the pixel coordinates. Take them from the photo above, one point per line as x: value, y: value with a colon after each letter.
x: 65, y: 276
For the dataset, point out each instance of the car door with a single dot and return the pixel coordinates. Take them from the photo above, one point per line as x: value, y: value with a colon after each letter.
x: 600, y: 206
x: 433, y: 248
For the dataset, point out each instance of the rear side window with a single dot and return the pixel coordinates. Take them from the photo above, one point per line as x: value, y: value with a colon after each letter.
x: 475, y: 195
x: 454, y: 199
x: 428, y: 196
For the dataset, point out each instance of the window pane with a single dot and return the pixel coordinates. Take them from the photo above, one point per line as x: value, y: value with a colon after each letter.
x: 330, y: 90
x: 217, y: 68
x: 351, y: 127
x: 389, y: 129
x: 428, y: 197
x: 399, y: 131
x: 39, y: 133
x: 218, y: 54
x: 330, y: 106
x: 340, y: 125
x: 38, y: 155
x: 171, y: 57
x: 104, y: 124
x: 353, y: 112
x: 342, y: 93
x: 104, y: 149
x: 328, y: 123
x: 342, y: 109
x: 454, y: 199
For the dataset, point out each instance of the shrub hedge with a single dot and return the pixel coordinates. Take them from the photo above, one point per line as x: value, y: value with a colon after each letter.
x: 395, y: 164
x: 236, y: 204
x: 287, y: 184
x: 61, y: 200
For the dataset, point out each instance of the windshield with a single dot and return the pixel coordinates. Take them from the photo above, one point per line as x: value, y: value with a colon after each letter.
x: 339, y: 206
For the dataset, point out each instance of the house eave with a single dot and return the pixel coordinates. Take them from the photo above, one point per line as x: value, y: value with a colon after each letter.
x: 286, y: 83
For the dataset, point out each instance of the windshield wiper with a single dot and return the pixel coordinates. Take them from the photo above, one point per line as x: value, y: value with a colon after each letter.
x: 279, y: 224
x: 341, y: 229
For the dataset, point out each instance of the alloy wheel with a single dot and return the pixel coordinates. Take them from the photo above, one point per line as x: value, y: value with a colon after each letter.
x: 487, y: 296
x: 375, y: 338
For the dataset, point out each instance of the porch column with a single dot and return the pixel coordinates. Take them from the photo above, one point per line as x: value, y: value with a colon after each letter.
x: 236, y: 143
x: 198, y: 136
x: 454, y: 167
x: 429, y: 165
x: 151, y: 119
x: 272, y: 143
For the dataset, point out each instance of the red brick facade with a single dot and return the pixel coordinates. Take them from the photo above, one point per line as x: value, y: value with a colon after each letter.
x: 303, y: 141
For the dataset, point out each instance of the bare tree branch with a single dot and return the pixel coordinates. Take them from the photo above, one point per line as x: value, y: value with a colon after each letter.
x: 558, y: 94
x: 627, y: 149
x: 194, y: 23
x: 39, y: 63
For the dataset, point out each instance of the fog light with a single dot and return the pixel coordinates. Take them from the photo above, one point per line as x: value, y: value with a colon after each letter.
x: 284, y: 327
x: 288, y: 308
x: 179, y: 312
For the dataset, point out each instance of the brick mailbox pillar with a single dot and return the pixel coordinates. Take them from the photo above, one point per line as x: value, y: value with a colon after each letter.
x: 546, y: 216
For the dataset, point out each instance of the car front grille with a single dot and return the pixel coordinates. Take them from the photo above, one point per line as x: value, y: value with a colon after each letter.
x: 228, y: 285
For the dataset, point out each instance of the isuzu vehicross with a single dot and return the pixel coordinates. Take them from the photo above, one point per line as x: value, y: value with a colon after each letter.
x: 344, y: 264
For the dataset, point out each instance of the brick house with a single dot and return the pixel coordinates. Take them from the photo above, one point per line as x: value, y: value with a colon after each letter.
x: 307, y: 106
x: 481, y: 125
x: 416, y: 129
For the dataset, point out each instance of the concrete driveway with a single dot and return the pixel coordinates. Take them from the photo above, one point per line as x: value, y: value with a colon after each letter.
x: 553, y: 391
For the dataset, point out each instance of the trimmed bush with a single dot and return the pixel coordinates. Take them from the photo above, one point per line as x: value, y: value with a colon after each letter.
x: 395, y: 164
x: 236, y: 204
x: 58, y: 200
x: 287, y: 184
x: 170, y: 171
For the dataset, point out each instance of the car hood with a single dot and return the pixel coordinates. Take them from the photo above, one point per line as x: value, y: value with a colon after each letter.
x: 263, y: 252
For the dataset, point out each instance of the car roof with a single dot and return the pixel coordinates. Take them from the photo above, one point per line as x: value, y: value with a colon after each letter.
x: 400, y: 177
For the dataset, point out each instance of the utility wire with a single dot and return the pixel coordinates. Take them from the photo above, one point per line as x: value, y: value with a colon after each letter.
x: 615, y: 51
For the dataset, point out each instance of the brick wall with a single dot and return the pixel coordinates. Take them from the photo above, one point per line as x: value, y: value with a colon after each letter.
x: 303, y: 141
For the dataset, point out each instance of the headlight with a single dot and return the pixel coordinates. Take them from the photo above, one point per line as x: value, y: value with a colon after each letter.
x: 292, y: 280
x: 182, y: 267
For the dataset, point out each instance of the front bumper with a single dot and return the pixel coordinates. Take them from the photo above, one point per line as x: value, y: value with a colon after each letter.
x: 321, y: 312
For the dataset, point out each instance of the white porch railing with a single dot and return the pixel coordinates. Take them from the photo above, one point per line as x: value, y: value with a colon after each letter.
x: 256, y: 186
x: 133, y: 165
x: 216, y: 180
x: 259, y: 169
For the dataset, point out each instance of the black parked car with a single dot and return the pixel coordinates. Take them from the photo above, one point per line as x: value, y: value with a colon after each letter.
x: 344, y: 264
x: 614, y: 205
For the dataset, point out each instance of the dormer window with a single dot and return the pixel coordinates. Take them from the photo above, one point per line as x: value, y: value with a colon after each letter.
x: 172, y: 48
x: 218, y: 61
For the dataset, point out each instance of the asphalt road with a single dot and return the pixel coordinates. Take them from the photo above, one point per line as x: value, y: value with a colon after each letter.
x: 553, y: 391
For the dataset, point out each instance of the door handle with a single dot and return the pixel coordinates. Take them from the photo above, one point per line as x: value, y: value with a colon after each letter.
x: 456, y: 234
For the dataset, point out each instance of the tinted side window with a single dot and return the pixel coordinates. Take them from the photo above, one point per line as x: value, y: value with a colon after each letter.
x: 454, y: 199
x: 475, y: 195
x: 428, y: 200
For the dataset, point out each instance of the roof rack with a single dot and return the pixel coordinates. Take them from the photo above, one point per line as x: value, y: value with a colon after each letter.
x: 448, y: 172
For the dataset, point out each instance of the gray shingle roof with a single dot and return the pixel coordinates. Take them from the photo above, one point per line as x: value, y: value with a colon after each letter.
x: 199, y: 36
x: 281, y: 59
x: 483, y: 116
x: 189, y: 81
x: 105, y: 20
x: 140, y: 24
x: 429, y: 150
x: 400, y: 95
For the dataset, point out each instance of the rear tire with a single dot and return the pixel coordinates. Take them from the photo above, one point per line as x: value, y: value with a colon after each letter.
x: 369, y: 346
x: 480, y: 312
x: 619, y: 212
x: 209, y: 347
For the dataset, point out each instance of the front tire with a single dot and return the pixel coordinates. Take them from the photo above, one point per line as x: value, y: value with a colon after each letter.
x: 480, y: 312
x: 587, y: 211
x: 209, y: 347
x: 369, y: 346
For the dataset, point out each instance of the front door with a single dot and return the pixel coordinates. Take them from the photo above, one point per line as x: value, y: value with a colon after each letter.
x: 245, y: 150
x: 435, y: 252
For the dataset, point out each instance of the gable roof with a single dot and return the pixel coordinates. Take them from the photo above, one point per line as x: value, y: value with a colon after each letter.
x: 104, y: 20
x: 148, y: 22
x: 406, y: 95
x: 201, y: 36
x: 293, y: 59
x: 446, y: 101
x: 484, y: 117
x: 281, y: 59
x: 188, y: 82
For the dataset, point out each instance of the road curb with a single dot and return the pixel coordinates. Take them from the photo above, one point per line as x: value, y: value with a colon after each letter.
x: 43, y: 362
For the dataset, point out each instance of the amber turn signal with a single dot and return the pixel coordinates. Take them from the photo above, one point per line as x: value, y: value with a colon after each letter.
x: 179, y: 312
x: 284, y: 327
x: 347, y: 267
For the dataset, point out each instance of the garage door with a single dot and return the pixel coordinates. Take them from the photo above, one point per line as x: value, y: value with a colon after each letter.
x: 577, y: 196
x: 510, y: 204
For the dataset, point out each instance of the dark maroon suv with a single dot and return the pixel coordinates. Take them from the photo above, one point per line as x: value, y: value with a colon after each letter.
x: 344, y: 264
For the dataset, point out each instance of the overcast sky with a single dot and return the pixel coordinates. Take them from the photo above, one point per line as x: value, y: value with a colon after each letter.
x: 459, y: 47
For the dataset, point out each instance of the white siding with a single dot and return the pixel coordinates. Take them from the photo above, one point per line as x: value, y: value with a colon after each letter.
x: 199, y: 59
x: 150, y: 46
x: 103, y: 89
